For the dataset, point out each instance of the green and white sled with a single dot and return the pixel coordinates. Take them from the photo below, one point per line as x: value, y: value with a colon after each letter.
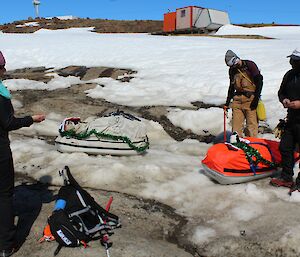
x: 118, y: 133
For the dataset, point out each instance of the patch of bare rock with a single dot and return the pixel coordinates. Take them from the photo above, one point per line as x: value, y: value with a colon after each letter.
x: 83, y: 106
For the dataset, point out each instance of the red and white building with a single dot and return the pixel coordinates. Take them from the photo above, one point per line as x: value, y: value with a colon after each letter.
x: 192, y: 17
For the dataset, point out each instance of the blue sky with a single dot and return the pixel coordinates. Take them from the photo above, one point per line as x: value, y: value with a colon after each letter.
x: 254, y: 11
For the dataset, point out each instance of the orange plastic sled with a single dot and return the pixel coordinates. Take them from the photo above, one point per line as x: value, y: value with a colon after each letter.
x: 227, y: 165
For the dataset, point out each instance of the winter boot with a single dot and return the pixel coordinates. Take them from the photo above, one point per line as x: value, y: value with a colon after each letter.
x: 280, y: 182
x: 296, y: 186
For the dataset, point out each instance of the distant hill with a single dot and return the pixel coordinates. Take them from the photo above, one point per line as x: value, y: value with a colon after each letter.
x: 100, y: 25
x: 258, y: 25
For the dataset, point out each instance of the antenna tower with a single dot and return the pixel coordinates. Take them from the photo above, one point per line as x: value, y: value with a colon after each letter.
x: 36, y: 4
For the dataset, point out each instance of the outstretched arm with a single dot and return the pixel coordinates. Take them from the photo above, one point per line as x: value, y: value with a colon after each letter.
x: 9, y: 122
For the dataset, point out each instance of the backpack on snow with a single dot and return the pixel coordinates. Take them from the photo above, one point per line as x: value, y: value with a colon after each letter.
x: 82, y: 219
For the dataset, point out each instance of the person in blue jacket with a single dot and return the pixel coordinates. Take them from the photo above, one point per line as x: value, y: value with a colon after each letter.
x: 8, y: 122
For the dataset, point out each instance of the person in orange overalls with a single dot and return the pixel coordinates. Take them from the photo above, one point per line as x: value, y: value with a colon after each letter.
x: 245, y: 88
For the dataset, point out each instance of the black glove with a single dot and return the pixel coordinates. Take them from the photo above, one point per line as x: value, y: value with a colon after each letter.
x: 254, y: 103
x: 227, y: 103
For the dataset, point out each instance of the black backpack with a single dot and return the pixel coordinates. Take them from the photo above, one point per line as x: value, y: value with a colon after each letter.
x: 82, y: 220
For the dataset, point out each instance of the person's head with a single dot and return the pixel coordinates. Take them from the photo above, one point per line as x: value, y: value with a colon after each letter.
x: 295, y: 60
x: 2, y: 65
x: 232, y: 60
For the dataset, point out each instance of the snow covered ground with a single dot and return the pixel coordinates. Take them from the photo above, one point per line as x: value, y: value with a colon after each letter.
x: 171, y: 71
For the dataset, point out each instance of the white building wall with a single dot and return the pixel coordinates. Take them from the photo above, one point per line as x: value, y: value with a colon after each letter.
x: 183, y: 18
x: 219, y: 17
x: 212, y: 19
x: 203, y: 20
x: 197, y: 12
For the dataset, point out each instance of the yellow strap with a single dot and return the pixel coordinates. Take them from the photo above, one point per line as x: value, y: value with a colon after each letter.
x: 246, y: 77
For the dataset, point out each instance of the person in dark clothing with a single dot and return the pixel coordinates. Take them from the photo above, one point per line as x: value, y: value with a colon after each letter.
x: 8, y: 122
x: 289, y: 96
x: 245, y: 88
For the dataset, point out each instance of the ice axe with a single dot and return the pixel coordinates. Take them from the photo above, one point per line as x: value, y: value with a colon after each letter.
x: 106, y: 244
x: 105, y: 238
x: 224, y: 121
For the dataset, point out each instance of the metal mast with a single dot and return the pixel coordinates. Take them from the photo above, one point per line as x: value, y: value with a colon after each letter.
x: 36, y: 4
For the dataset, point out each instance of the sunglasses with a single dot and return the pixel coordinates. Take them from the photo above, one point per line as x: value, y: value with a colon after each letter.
x: 233, y: 61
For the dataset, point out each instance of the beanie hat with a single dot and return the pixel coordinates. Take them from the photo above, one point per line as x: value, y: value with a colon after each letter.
x: 2, y: 59
x: 295, y: 55
x: 231, y: 58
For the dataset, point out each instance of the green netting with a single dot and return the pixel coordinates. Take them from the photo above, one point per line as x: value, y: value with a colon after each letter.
x: 72, y: 133
x: 253, y: 156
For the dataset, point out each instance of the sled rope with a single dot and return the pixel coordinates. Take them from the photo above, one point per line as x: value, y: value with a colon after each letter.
x: 72, y: 133
x: 253, y: 156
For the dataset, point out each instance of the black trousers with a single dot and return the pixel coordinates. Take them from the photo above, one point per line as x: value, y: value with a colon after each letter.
x: 290, y: 138
x: 7, y: 227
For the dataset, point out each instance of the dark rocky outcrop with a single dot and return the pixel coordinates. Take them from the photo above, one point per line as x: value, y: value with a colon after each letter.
x: 36, y: 73
x: 99, y: 25
x: 43, y: 74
